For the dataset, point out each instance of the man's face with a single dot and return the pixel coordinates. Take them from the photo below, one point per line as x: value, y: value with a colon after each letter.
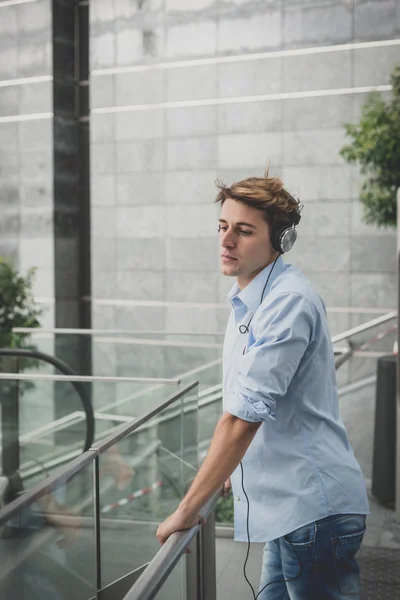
x: 245, y: 242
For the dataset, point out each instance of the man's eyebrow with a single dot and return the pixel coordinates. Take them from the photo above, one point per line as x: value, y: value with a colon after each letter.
x: 239, y: 223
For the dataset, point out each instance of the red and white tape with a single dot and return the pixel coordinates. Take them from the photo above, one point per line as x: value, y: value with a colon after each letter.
x: 131, y: 497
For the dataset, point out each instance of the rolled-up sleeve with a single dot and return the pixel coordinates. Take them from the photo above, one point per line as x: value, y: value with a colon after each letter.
x: 278, y: 340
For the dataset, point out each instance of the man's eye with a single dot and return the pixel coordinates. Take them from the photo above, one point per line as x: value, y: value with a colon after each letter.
x: 244, y: 232
x: 221, y: 228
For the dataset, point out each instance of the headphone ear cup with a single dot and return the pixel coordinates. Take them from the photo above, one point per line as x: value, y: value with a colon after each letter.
x: 276, y: 240
x: 288, y: 238
x: 283, y: 239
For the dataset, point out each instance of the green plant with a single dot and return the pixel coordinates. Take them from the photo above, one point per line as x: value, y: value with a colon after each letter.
x: 375, y: 146
x: 17, y: 306
x: 224, y: 510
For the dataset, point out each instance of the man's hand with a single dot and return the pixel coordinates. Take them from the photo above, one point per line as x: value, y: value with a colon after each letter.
x: 226, y: 488
x: 177, y: 522
x: 232, y: 437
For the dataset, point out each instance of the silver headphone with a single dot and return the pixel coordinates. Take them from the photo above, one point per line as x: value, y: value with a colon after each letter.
x: 283, y: 239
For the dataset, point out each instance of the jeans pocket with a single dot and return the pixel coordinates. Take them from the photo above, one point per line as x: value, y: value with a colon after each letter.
x: 303, y: 537
x: 345, y: 548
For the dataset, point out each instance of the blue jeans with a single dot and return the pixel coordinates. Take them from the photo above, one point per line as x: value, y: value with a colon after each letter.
x: 318, y: 559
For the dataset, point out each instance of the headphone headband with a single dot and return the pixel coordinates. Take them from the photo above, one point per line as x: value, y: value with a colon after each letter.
x: 296, y: 216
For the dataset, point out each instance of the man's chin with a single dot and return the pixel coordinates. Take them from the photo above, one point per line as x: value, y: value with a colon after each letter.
x: 229, y: 272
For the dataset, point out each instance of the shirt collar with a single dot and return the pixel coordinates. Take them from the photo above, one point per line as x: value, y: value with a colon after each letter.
x: 250, y: 296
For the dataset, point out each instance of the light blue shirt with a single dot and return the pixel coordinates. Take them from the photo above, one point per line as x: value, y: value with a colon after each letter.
x: 300, y: 466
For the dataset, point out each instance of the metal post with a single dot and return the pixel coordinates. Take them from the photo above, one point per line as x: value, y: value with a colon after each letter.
x: 208, y: 571
x: 97, y: 523
x: 193, y: 571
x: 71, y: 199
x: 9, y: 400
x: 397, y: 474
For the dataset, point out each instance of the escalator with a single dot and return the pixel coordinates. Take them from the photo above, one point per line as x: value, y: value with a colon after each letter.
x: 50, y: 542
x: 34, y: 442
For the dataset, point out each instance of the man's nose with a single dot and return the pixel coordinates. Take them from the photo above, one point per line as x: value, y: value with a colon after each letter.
x: 228, y: 240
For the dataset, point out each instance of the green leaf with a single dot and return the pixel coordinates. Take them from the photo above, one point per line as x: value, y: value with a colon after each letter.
x: 224, y: 510
x: 17, y: 305
x: 375, y: 147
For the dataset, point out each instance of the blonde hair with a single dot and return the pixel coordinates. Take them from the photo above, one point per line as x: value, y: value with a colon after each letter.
x: 266, y: 194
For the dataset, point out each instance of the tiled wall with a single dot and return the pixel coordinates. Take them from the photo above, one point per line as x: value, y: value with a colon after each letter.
x: 153, y: 167
x: 154, y: 222
x: 26, y: 166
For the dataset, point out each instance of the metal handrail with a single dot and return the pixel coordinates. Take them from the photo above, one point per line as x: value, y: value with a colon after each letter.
x: 192, y: 373
x: 337, y: 338
x: 357, y: 385
x: 157, y: 571
x: 48, y: 484
x: 344, y: 357
x: 85, y: 378
x: 64, y: 368
x: 352, y: 349
x: 140, y: 341
x: 70, y: 331
x: 204, y: 399
x: 364, y: 327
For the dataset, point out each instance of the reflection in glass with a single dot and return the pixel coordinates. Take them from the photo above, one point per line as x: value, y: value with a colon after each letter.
x: 47, y: 549
x: 142, y: 480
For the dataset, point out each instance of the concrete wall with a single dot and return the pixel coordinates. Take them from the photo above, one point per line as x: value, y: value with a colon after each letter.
x: 197, y: 78
x: 26, y: 166
x: 153, y: 165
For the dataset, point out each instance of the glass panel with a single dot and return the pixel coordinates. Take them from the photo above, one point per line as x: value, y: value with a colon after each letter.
x: 357, y: 406
x: 357, y: 381
x: 118, y: 402
x: 210, y: 410
x: 142, y: 480
x: 378, y: 339
x: 44, y: 426
x: 175, y: 586
x: 52, y: 426
x: 210, y: 402
x: 47, y: 550
x: 187, y: 357
x: 190, y: 438
x: 45, y: 422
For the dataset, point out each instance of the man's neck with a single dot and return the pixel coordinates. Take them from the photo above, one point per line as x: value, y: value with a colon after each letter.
x: 243, y: 280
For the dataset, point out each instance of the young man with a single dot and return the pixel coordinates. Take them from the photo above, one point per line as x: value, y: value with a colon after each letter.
x: 306, y: 494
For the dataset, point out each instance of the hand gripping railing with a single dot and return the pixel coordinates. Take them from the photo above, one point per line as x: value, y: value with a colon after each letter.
x: 203, y: 582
